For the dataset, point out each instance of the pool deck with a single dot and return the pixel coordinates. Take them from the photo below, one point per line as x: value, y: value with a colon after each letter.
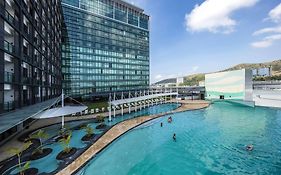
x: 121, y: 128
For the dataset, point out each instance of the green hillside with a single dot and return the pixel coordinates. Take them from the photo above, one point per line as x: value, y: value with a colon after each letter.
x: 192, y: 80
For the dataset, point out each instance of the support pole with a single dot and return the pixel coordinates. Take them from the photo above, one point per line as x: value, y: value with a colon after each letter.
x: 62, y: 122
x: 114, y: 111
x: 129, y: 108
x: 109, y: 115
x: 62, y: 105
x: 122, y: 96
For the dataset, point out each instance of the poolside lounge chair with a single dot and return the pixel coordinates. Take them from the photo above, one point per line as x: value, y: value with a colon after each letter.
x: 92, y: 111
x: 86, y: 112
x: 102, y: 109
x: 97, y: 110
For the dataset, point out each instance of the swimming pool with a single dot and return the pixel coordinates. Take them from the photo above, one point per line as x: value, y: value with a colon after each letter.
x: 209, y: 141
x: 49, y: 164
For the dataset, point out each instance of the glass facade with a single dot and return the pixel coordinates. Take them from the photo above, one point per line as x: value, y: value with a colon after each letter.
x: 105, y: 47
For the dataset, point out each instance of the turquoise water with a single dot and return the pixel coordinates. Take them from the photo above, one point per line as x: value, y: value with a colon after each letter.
x: 49, y: 163
x: 209, y: 141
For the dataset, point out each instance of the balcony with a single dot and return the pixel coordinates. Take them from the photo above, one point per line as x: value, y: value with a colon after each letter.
x: 9, y: 77
x: 9, y: 17
x: 46, y: 83
x: 37, y: 82
x: 26, y: 29
x: 9, y: 47
x: 9, y: 106
x: 26, y: 80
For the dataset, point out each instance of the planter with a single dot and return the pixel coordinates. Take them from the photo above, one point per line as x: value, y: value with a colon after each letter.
x: 62, y: 155
x: 98, y: 121
x: 30, y: 171
x: 38, y: 155
x: 80, y: 127
x: 87, y: 137
x: 101, y: 126
x: 61, y: 137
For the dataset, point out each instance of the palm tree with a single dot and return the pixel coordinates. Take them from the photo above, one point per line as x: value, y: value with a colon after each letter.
x: 41, y: 134
x: 89, y: 130
x: 18, y: 152
x: 65, y: 142
x: 100, y: 118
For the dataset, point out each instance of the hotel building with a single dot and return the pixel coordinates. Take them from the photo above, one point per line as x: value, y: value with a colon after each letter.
x: 105, y: 47
x: 30, y: 58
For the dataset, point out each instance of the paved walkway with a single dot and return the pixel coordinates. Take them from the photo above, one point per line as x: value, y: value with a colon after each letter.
x: 121, y: 128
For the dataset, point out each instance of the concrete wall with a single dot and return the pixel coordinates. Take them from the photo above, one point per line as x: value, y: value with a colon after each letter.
x: 233, y: 85
x: 267, y: 98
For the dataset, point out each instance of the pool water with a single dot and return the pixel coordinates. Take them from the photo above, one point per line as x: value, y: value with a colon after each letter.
x: 49, y: 163
x: 208, y: 141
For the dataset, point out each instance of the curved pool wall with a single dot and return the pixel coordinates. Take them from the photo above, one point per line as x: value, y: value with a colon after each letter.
x: 209, y: 141
x: 49, y: 164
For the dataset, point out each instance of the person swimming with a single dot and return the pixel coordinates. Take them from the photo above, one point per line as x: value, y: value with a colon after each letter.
x: 174, y: 137
x: 249, y: 147
x: 161, y: 124
x: 170, y: 119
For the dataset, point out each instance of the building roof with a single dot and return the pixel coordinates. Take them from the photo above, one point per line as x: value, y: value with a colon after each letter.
x: 166, y: 81
x: 124, y: 2
x: 11, y: 119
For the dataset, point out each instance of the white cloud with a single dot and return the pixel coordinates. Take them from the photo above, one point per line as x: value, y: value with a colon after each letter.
x: 275, y: 14
x: 139, y: 3
x: 267, y: 41
x: 276, y: 29
x: 215, y: 15
x: 261, y: 44
x: 273, y: 32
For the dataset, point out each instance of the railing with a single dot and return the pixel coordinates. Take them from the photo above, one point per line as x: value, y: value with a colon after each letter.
x: 9, y: 106
x: 8, y: 46
x: 9, y: 77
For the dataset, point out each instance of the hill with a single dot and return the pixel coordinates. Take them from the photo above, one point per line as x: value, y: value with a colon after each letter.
x: 194, y: 79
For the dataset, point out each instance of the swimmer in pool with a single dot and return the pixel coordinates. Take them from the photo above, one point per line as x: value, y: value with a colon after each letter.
x: 249, y: 147
x: 174, y: 137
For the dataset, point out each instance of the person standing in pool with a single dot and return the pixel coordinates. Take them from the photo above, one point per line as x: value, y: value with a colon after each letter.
x: 161, y: 124
x: 174, y: 137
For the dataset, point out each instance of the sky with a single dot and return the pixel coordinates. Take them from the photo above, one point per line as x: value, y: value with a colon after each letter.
x: 201, y: 36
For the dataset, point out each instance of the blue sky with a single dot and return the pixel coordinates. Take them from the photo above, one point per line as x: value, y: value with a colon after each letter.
x: 194, y: 36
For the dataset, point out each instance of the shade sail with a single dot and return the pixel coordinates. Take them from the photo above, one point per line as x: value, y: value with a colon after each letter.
x: 141, y: 98
x: 60, y: 111
x: 13, y: 118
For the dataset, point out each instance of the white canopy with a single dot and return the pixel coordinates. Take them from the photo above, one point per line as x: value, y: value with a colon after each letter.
x: 60, y: 111
x: 135, y: 99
